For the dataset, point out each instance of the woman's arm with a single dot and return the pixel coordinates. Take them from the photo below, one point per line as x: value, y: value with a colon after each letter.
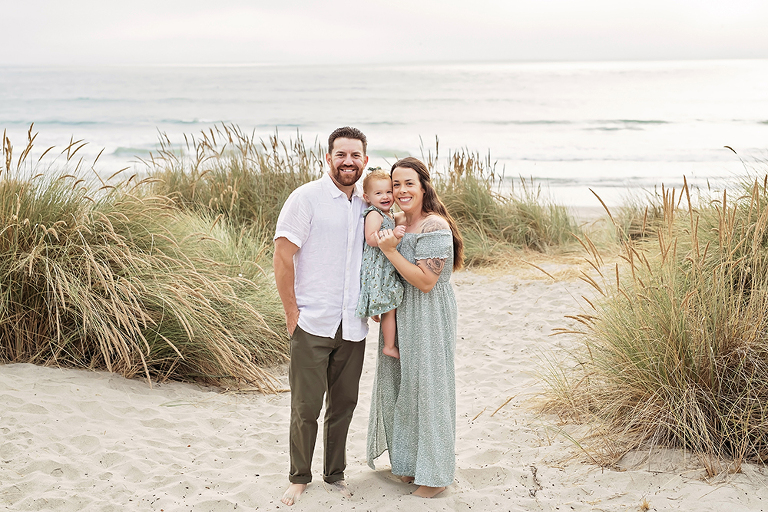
x: 425, y: 273
x: 372, y: 227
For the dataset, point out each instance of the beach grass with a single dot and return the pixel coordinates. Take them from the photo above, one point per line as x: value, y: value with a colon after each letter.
x: 674, y: 350
x: 248, y: 180
x: 226, y: 171
x: 495, y: 222
x: 639, y: 216
x: 169, y: 276
x: 102, y: 275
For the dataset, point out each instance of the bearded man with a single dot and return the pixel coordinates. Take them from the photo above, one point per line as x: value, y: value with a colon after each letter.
x: 318, y: 251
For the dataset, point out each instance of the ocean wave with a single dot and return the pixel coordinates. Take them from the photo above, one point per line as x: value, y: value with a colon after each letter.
x: 530, y: 122
x: 89, y: 99
x: 611, y: 128
x: 271, y: 126
x: 708, y: 156
x: 127, y: 151
x: 386, y: 123
x: 54, y: 122
x: 157, y: 99
x: 614, y: 124
x: 191, y: 121
x: 643, y: 182
x: 635, y: 121
x: 388, y: 153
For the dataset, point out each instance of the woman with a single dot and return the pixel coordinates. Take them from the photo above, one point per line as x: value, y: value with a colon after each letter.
x: 413, y: 407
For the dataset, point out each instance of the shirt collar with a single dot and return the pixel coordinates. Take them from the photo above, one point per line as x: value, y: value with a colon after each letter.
x: 334, y: 190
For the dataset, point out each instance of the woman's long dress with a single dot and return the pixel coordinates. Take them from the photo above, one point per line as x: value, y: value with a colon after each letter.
x: 413, y: 406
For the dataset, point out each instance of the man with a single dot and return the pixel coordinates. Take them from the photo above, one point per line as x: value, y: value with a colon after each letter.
x: 318, y: 251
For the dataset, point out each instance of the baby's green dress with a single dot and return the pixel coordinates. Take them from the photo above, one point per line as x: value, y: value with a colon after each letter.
x: 413, y: 404
x: 380, y: 286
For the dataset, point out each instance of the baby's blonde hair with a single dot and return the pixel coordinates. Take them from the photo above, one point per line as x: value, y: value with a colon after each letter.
x: 375, y: 174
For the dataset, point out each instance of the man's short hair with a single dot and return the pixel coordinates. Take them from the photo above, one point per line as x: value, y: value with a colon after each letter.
x: 347, y: 132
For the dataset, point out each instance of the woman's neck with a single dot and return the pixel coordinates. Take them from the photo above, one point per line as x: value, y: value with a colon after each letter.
x: 413, y: 218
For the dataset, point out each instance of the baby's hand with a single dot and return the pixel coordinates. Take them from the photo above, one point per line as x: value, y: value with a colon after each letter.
x: 399, y: 231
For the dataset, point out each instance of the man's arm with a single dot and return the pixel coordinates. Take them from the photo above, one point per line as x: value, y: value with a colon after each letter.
x: 285, y: 275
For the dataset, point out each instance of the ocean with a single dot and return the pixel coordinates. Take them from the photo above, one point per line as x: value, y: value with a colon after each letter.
x: 618, y: 128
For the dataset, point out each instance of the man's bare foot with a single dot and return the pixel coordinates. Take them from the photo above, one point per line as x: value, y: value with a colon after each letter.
x: 391, y: 352
x: 292, y: 493
x: 428, y: 492
x: 406, y: 479
x: 340, y: 486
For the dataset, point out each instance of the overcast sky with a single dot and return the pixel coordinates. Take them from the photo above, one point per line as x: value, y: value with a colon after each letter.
x: 341, y: 32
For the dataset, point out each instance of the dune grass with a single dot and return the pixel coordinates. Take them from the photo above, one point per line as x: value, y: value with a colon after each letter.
x: 107, y: 277
x: 169, y: 277
x: 639, y: 216
x: 248, y: 181
x: 495, y: 222
x: 675, y: 350
x: 231, y: 173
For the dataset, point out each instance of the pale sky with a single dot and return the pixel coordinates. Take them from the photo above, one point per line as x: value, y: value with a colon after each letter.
x: 343, y: 32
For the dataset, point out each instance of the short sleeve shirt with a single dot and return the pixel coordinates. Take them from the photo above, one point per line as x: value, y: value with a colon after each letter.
x: 328, y: 230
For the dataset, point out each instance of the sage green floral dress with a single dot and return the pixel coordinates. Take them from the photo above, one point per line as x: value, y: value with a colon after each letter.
x: 380, y: 286
x: 413, y: 406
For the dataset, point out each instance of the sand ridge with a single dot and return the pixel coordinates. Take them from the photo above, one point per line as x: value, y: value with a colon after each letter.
x: 74, y: 440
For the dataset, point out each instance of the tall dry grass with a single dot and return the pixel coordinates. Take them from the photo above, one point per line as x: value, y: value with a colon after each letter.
x: 493, y: 221
x: 248, y: 180
x: 674, y: 351
x: 226, y: 171
x: 106, y: 276
x: 639, y: 216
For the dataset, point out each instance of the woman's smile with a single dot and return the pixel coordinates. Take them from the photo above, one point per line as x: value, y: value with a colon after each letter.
x: 407, y: 188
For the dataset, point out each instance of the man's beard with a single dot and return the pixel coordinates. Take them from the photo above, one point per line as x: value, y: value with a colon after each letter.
x: 345, y: 179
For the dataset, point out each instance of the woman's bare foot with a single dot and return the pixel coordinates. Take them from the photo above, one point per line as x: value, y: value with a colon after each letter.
x: 428, y: 492
x: 406, y: 479
x: 292, y: 493
x: 391, y: 352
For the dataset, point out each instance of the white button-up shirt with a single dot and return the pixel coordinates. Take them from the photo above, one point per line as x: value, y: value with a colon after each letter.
x: 328, y: 230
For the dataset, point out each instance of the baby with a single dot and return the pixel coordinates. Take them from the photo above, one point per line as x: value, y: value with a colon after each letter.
x: 380, y: 288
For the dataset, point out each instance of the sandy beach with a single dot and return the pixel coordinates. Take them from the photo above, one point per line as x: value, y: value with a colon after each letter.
x: 73, y: 440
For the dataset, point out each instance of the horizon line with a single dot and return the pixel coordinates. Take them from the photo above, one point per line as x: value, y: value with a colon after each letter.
x: 385, y: 63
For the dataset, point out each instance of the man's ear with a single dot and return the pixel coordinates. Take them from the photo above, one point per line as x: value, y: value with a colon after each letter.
x: 328, y: 159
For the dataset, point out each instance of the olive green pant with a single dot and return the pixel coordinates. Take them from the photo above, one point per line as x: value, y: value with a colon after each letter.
x: 322, y: 366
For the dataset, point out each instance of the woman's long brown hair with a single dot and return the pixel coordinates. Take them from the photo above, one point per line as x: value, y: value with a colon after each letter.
x: 431, y: 203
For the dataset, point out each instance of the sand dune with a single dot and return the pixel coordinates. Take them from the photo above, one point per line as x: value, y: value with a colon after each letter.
x: 76, y: 440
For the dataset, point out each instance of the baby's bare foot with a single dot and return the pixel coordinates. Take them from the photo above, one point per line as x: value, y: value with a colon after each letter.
x: 406, y: 479
x: 292, y: 493
x: 341, y: 487
x: 428, y: 492
x: 391, y: 352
